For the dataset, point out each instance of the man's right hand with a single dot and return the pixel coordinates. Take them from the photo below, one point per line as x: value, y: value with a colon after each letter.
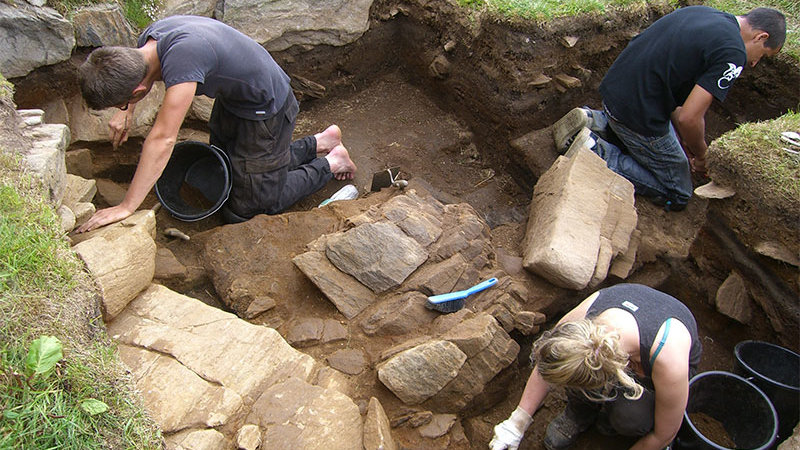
x: 508, y: 434
x: 104, y: 217
x: 119, y: 126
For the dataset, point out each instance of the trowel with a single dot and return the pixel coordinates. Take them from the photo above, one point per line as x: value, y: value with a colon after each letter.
x: 386, y: 178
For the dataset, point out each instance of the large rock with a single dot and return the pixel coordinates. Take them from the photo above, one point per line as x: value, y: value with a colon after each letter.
x: 385, y: 245
x: 419, y: 373
x: 299, y: 22
x: 379, y: 255
x: 377, y: 430
x: 582, y: 216
x: 489, y: 350
x: 399, y: 315
x: 198, y: 403
x: 217, y: 345
x: 45, y: 157
x: 296, y: 414
x: 194, y: 439
x: 348, y: 295
x: 103, y: 24
x: 733, y: 300
x: 89, y: 125
x: 199, y: 367
x: 32, y: 37
x: 187, y: 7
x: 78, y: 190
x: 122, y: 266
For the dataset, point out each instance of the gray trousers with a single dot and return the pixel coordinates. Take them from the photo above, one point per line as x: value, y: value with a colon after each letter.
x: 270, y: 173
x: 626, y: 417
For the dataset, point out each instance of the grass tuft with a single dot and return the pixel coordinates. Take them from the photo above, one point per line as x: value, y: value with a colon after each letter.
x: 756, y: 153
x: 44, y: 291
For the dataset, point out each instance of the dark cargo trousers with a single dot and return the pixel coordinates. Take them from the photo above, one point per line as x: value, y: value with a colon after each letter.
x: 621, y: 415
x: 270, y: 173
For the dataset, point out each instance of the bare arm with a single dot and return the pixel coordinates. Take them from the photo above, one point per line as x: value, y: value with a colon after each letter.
x: 671, y: 384
x: 156, y: 151
x: 690, y: 124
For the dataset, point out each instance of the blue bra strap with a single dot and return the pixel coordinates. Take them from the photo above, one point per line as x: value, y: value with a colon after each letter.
x: 661, y: 343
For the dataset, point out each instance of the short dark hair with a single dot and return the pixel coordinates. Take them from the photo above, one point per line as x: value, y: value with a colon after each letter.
x: 770, y: 21
x: 109, y: 75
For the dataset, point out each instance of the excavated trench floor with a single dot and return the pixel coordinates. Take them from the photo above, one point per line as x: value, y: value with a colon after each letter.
x: 391, y: 123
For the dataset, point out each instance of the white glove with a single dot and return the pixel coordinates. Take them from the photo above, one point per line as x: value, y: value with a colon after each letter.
x: 508, y: 434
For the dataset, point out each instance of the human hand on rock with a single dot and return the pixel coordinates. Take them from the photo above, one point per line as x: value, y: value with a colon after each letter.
x: 104, y: 217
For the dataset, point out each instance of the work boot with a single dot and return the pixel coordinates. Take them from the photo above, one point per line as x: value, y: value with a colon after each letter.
x: 569, y: 125
x: 563, y: 431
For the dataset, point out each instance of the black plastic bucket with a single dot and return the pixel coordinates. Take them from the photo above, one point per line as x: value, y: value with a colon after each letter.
x: 196, y: 182
x: 776, y: 371
x: 737, y: 405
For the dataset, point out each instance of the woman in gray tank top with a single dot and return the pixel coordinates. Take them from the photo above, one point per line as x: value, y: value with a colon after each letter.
x: 625, y: 356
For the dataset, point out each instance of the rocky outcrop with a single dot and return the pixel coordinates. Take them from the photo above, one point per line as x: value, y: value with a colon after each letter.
x: 582, y: 217
x: 32, y: 36
x: 227, y: 368
x: 382, y: 256
x: 45, y: 157
x: 451, y: 370
x: 121, y: 258
x: 92, y: 125
x: 296, y: 414
x: 298, y: 22
x: 102, y: 24
x: 379, y: 255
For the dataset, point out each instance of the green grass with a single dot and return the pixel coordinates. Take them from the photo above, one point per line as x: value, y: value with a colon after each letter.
x: 755, y: 151
x: 545, y: 10
x: 42, y: 293
x: 139, y: 13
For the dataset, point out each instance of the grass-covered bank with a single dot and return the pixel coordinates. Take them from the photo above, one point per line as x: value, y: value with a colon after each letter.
x: 545, y: 10
x: 755, y: 151
x: 68, y: 390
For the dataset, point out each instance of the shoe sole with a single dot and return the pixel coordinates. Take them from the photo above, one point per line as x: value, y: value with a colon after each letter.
x: 568, y: 126
x: 582, y: 139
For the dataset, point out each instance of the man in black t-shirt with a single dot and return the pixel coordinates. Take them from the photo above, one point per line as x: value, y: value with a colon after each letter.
x: 252, y: 120
x: 658, y: 90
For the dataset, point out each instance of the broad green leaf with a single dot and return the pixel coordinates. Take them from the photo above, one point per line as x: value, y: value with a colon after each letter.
x: 43, y: 355
x: 93, y: 406
x: 10, y: 415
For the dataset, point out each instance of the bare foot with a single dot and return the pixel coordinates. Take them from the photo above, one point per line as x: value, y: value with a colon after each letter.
x: 328, y: 140
x: 342, y: 166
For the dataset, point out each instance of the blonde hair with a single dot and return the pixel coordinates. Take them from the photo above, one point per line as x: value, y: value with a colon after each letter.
x: 586, y: 357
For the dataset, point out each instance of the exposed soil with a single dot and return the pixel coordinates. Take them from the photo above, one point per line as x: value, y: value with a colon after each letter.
x: 450, y: 132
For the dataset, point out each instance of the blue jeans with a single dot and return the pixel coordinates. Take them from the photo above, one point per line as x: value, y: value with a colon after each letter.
x: 657, y: 166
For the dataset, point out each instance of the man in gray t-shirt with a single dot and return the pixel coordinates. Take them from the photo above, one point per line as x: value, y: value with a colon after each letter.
x: 252, y: 120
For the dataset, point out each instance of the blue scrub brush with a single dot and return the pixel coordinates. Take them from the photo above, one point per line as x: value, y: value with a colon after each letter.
x: 453, y: 301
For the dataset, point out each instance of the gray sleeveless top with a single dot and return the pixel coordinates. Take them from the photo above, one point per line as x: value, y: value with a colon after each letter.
x: 650, y: 308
